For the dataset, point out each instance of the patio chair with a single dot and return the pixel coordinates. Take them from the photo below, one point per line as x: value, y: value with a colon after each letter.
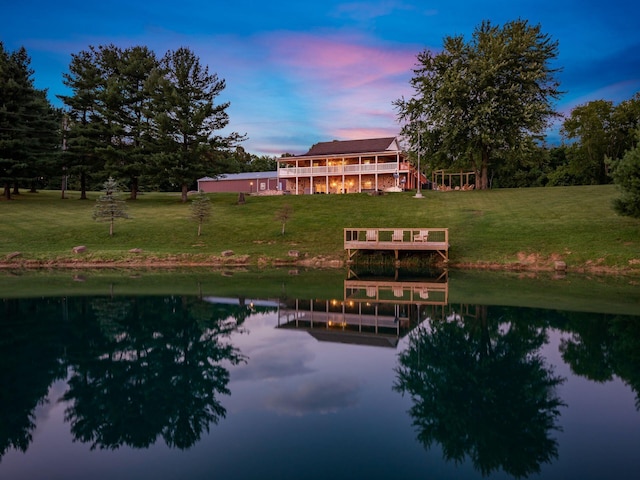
x: 398, y: 236
x: 421, y: 236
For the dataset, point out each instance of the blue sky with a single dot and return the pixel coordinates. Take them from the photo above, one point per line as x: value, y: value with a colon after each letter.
x: 300, y: 72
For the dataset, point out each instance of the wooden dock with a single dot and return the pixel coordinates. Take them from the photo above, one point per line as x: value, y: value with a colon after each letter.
x: 397, y: 239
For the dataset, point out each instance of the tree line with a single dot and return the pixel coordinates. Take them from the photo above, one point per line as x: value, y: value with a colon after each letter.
x: 149, y: 122
x: 484, y: 104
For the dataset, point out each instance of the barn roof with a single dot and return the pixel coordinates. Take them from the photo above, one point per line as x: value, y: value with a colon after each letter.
x: 338, y: 147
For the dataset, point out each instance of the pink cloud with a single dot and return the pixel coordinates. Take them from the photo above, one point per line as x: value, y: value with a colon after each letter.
x: 342, y: 57
x: 349, y: 85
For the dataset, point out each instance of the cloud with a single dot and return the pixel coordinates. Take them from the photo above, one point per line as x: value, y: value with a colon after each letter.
x: 322, y: 396
x: 365, y: 12
x: 278, y: 360
x: 340, y: 84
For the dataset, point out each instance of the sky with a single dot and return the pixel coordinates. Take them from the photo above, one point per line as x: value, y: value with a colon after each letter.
x: 299, y: 72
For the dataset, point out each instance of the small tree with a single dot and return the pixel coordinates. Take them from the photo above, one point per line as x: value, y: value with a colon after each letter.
x: 109, y: 207
x: 200, y: 209
x: 284, y: 215
x: 626, y: 175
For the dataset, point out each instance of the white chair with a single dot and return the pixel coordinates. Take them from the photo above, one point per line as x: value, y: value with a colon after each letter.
x: 398, y: 236
x: 372, y: 235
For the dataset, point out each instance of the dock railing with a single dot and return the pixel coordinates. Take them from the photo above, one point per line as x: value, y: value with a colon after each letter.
x: 397, y: 239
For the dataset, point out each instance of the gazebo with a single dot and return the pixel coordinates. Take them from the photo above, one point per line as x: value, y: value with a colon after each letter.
x: 444, y: 180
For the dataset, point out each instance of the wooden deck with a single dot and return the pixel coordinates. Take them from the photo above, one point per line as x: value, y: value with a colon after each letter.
x: 397, y: 239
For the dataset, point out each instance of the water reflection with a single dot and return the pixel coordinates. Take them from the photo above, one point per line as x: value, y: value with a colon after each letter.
x: 31, y: 360
x: 374, y: 310
x: 139, y: 368
x: 603, y: 346
x: 144, y: 370
x: 147, y: 367
x: 481, y: 389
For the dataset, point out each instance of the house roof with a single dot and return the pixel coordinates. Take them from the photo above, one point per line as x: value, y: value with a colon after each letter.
x: 337, y: 147
x: 241, y: 176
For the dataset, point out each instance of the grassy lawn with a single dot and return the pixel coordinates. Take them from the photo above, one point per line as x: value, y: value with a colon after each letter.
x: 507, y: 226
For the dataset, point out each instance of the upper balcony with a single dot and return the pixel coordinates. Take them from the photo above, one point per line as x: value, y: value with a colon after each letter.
x: 348, y: 169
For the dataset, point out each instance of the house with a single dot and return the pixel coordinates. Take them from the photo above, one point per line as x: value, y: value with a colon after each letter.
x: 350, y: 166
x: 248, y: 182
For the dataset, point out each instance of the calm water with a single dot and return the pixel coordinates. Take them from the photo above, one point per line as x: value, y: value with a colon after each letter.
x: 388, y: 379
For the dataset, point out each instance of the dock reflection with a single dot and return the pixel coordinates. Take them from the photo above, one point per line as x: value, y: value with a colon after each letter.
x: 374, y: 310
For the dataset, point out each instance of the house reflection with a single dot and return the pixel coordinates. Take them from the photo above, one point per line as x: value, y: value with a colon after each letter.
x: 373, y: 311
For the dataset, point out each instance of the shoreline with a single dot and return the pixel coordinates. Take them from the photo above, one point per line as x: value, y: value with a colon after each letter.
x: 316, y: 262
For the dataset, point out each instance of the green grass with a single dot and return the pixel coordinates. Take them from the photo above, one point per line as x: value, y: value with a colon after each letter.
x: 506, y: 226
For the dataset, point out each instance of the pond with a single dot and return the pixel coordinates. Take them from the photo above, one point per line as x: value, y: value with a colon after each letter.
x: 294, y: 374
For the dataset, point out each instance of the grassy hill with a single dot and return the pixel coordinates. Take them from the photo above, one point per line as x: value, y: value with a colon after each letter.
x: 498, y: 228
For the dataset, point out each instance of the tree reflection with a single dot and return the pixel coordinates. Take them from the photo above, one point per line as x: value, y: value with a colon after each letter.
x: 148, y: 367
x: 31, y: 360
x: 481, y: 390
x: 601, y: 346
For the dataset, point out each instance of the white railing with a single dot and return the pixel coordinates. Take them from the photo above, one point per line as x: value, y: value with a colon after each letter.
x: 368, y: 168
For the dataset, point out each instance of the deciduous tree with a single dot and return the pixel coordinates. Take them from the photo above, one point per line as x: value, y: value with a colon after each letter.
x: 596, y: 131
x: 476, y: 99
x: 284, y: 215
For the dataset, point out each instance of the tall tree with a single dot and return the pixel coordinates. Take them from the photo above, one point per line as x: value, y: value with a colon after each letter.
x: 476, y: 99
x: 127, y: 102
x: 84, y: 135
x: 29, y: 125
x: 187, y: 119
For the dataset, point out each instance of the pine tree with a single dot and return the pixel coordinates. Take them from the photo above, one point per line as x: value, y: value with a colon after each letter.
x: 84, y: 131
x: 626, y: 175
x: 29, y: 125
x: 200, y: 209
x: 129, y: 78
x: 109, y: 207
x: 187, y: 119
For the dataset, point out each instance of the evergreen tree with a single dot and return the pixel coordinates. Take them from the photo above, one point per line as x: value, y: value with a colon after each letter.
x: 626, y: 175
x: 29, y: 125
x: 84, y: 132
x: 476, y: 99
x: 187, y: 119
x: 109, y: 207
x: 200, y: 209
x: 127, y: 104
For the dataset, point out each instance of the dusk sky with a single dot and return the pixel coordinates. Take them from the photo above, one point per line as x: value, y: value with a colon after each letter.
x: 301, y: 72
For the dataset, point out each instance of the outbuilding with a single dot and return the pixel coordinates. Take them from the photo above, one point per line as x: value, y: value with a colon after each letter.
x: 247, y: 182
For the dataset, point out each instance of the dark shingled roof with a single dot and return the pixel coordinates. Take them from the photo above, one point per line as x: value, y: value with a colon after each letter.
x: 350, y: 146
